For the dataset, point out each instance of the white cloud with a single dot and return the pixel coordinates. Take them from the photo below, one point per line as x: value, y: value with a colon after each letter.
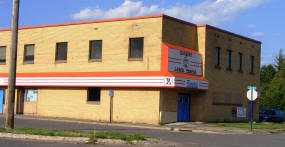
x: 209, y: 11
x: 257, y: 34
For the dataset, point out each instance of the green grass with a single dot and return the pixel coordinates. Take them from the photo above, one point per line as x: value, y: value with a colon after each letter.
x: 261, y: 126
x: 73, y: 133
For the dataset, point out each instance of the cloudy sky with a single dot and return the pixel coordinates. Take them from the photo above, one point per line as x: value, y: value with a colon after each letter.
x: 262, y: 20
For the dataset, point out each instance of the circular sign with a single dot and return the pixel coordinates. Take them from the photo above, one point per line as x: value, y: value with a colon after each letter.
x: 251, y: 94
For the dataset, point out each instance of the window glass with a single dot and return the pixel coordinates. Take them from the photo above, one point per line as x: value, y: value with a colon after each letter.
x: 93, y: 94
x: 239, y: 61
x: 61, y: 51
x: 251, y: 64
x: 229, y: 58
x: 29, y: 53
x: 2, y: 54
x: 95, y: 49
x: 31, y: 95
x: 136, y: 48
x: 180, y: 99
x: 217, y: 57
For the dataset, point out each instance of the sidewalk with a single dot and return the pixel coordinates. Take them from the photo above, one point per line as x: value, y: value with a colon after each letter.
x: 195, y: 127
x: 199, y: 127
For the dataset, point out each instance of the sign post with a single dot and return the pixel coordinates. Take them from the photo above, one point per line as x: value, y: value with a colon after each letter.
x: 251, y: 95
x: 111, y: 94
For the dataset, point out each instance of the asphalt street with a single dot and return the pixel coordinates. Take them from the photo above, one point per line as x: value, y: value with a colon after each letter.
x: 180, y: 138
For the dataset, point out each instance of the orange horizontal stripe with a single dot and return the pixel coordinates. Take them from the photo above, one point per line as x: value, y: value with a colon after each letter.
x: 182, y: 75
x: 87, y: 74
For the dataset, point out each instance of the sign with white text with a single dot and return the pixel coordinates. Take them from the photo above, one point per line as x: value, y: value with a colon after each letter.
x: 241, y: 112
x: 184, y: 62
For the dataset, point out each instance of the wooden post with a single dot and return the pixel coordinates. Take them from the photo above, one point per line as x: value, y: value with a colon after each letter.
x: 9, y: 124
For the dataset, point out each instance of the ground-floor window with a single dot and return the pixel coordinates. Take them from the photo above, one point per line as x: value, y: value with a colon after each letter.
x: 31, y: 95
x: 93, y: 94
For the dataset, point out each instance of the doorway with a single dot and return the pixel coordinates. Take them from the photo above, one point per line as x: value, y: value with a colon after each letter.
x: 183, y: 108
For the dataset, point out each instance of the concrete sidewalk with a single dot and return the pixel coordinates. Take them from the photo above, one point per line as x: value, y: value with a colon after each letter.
x: 199, y: 127
x: 196, y: 127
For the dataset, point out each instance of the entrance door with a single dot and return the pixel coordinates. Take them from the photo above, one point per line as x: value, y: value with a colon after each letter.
x: 1, y: 100
x: 183, y: 108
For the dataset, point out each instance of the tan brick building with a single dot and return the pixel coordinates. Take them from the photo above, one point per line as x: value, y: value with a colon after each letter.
x: 146, y: 69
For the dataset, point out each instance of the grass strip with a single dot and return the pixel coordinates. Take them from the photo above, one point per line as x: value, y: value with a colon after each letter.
x: 261, y: 126
x: 74, y: 133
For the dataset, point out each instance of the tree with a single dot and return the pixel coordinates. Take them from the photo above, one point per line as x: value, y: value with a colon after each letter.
x: 274, y: 93
x: 267, y: 73
x: 279, y: 60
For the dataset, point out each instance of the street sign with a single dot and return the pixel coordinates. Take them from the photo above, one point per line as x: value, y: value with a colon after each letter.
x: 251, y: 87
x: 251, y: 94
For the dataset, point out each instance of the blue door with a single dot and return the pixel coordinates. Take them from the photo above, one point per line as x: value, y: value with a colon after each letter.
x: 183, y: 113
x: 1, y: 100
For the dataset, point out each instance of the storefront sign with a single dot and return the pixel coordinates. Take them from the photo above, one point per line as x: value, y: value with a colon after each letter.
x: 184, y: 62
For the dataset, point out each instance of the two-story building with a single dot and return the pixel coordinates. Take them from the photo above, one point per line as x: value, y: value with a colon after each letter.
x: 146, y: 69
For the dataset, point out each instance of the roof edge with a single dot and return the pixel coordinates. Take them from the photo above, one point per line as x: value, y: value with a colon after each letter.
x: 228, y: 32
x: 133, y: 18
x: 87, y: 22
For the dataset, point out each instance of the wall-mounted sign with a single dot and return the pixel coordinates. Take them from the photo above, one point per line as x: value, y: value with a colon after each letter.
x: 184, y: 62
x: 238, y: 112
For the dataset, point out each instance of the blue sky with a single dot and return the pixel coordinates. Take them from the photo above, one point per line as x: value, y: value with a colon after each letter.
x: 262, y: 20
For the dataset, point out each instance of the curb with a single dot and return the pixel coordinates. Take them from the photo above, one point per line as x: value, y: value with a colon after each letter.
x: 148, y: 142
x: 45, y: 138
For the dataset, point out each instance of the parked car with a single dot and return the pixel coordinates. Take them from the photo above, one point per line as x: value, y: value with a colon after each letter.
x: 271, y: 115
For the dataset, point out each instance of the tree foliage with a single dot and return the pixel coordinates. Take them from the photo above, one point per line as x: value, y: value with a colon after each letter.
x: 279, y: 60
x: 273, y: 84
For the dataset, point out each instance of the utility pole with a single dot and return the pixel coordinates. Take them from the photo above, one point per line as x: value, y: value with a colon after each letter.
x: 12, y: 67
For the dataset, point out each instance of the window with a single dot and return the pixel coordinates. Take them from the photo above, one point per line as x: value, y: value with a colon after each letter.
x: 2, y: 54
x: 136, y: 48
x: 217, y: 57
x: 229, y: 59
x: 251, y: 64
x: 31, y: 95
x: 95, y: 50
x: 29, y: 53
x: 93, y: 94
x: 239, y: 61
x: 61, y: 52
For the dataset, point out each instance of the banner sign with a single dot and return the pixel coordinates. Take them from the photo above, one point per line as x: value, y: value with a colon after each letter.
x: 184, y: 62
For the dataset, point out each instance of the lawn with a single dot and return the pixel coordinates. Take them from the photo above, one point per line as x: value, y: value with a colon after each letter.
x: 74, y: 133
x: 260, y: 126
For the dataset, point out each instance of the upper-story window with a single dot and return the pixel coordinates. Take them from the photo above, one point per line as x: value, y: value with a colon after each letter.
x: 61, y: 52
x: 95, y: 50
x: 229, y: 59
x: 29, y: 53
x: 136, y: 48
x: 2, y: 54
x: 251, y: 64
x: 240, y: 62
x: 217, y: 57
